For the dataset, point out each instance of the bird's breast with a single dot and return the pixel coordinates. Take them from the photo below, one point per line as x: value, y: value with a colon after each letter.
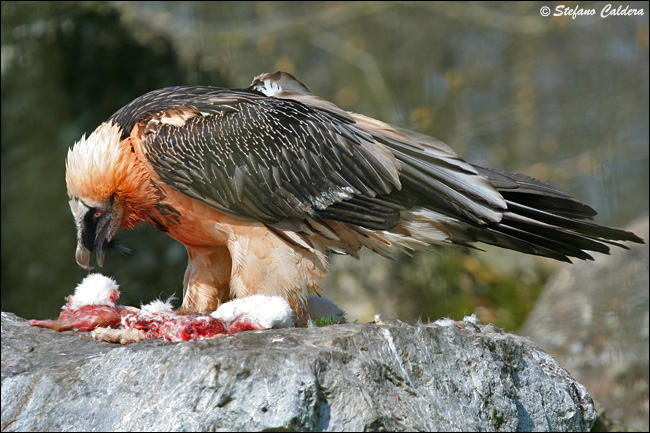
x: 193, y: 223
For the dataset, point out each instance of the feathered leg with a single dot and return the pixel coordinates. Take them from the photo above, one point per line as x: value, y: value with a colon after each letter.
x: 207, y: 278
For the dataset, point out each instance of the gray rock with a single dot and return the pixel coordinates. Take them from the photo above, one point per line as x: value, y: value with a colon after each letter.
x: 391, y: 376
x: 593, y: 317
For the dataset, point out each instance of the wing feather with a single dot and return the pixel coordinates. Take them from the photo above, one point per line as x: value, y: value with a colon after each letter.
x: 269, y: 159
x: 277, y: 154
x: 294, y: 155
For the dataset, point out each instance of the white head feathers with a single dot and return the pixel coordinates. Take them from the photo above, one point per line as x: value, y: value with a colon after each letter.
x: 94, y: 165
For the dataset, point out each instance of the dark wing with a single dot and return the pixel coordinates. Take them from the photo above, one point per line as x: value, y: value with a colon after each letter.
x: 551, y: 221
x: 277, y: 154
x: 269, y: 159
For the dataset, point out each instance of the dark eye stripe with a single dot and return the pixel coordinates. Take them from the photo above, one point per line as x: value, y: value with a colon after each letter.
x: 89, y: 228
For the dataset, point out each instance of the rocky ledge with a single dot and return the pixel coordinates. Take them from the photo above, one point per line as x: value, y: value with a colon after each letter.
x: 448, y: 376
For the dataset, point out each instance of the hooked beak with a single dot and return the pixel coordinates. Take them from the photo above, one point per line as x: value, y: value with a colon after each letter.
x: 82, y: 255
x: 101, y: 242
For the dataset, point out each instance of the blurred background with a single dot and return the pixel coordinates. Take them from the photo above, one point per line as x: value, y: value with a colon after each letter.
x: 561, y: 99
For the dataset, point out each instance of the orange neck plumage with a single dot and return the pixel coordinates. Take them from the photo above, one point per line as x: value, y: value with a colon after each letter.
x: 104, y: 169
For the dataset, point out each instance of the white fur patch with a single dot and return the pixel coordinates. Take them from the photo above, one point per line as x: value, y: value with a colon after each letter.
x: 268, y: 311
x: 446, y: 321
x: 159, y: 306
x: 95, y: 289
x: 268, y: 87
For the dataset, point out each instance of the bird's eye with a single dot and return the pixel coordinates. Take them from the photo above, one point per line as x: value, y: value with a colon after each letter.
x: 98, y: 214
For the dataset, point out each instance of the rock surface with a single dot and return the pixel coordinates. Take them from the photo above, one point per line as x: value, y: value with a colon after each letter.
x: 358, y: 377
x: 593, y: 317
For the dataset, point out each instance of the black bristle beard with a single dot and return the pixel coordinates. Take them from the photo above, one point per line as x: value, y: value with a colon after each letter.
x: 114, y: 245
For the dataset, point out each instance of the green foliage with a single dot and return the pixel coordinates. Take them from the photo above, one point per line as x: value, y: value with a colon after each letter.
x: 323, y: 321
x: 499, y: 286
x: 454, y: 284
